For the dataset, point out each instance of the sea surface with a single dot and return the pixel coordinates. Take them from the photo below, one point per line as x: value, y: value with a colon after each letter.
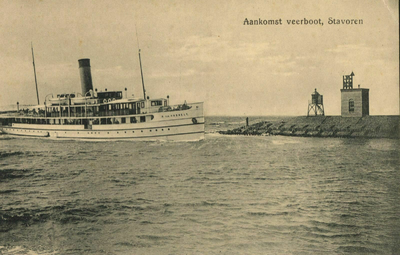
x: 223, y: 195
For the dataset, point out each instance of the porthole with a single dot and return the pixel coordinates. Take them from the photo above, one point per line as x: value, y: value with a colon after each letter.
x: 168, y: 129
x: 125, y: 132
x: 156, y: 129
x: 150, y: 130
x: 108, y: 132
x: 133, y: 131
x: 162, y: 129
x: 117, y: 132
x: 141, y: 131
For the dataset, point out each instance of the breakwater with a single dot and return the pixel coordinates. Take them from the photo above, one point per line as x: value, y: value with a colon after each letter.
x: 325, y: 126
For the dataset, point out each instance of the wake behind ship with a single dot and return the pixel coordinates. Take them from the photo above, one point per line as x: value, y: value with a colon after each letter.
x: 106, y: 115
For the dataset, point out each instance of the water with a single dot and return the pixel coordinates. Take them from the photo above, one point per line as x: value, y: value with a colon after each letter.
x: 225, y: 195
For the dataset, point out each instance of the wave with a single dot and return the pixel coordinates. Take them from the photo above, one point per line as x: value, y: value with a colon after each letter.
x: 22, y: 250
x: 332, y: 224
x: 26, y: 216
x: 5, y: 154
x: 155, y: 237
x: 206, y: 203
x: 60, y: 213
x: 6, y: 137
x: 268, y: 214
x: 7, y: 174
x: 8, y: 191
x: 357, y: 249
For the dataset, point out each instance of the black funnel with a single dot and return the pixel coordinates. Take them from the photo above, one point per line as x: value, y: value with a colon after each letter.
x: 86, y: 75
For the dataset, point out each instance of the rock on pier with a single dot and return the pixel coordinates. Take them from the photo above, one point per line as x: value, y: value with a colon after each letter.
x: 325, y: 126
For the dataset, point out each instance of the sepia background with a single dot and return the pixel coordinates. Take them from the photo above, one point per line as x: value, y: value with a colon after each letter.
x: 201, y: 51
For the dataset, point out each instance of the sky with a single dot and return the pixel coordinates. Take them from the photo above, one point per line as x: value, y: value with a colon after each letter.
x: 202, y: 51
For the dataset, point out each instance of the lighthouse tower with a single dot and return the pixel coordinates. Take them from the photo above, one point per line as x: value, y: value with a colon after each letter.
x: 355, y: 101
x: 316, y: 105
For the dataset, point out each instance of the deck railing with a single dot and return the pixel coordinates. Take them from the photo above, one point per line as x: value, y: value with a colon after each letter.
x: 94, y: 113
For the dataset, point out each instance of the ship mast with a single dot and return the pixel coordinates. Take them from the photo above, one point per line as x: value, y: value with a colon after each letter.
x: 34, y: 71
x: 140, y: 62
x: 141, y: 73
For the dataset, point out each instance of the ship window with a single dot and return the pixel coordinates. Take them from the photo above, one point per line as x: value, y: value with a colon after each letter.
x: 142, y: 104
x: 351, y: 105
x: 142, y: 118
x: 133, y: 120
x: 123, y: 120
x: 133, y: 131
x: 156, y: 103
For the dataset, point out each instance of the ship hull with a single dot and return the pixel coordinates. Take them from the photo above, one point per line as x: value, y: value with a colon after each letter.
x: 189, y: 132
x: 185, y: 125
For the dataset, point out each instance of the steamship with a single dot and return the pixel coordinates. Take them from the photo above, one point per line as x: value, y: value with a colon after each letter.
x: 106, y: 115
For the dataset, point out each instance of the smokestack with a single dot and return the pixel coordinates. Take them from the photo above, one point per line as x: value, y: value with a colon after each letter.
x: 86, y: 76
